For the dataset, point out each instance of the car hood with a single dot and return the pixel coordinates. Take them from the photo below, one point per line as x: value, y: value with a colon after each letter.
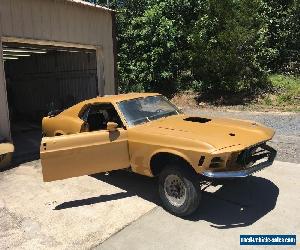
x: 219, y: 133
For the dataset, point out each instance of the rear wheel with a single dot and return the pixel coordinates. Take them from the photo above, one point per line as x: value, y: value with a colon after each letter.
x: 178, y: 190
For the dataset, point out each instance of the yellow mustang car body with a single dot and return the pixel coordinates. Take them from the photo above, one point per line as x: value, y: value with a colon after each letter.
x: 196, y: 140
x: 145, y: 132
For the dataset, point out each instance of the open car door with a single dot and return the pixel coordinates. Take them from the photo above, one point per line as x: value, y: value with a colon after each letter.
x: 84, y: 154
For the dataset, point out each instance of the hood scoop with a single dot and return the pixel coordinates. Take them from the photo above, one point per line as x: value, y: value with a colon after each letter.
x: 197, y: 119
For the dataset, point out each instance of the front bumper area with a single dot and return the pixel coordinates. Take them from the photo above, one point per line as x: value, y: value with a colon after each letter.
x: 264, y: 159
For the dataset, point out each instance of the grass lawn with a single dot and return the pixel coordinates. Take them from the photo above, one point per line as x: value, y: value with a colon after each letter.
x: 286, y: 96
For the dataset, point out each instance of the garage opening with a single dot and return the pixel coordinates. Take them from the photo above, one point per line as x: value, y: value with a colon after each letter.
x: 43, y: 79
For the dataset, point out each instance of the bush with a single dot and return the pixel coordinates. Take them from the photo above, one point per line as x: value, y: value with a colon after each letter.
x: 281, y: 50
x: 226, y: 42
x: 154, y: 53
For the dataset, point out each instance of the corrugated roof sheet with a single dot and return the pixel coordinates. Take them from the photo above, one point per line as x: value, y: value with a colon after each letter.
x: 88, y: 4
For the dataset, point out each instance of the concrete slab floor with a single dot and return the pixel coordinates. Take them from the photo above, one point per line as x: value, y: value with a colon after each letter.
x: 77, y: 213
x: 267, y: 203
x: 83, y: 212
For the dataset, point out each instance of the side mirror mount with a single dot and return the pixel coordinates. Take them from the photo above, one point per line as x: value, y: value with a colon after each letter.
x: 112, y: 126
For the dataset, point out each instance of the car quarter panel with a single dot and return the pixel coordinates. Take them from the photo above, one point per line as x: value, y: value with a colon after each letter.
x: 61, y: 125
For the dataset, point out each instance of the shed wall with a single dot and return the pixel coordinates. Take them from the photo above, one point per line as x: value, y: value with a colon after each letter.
x: 4, y: 114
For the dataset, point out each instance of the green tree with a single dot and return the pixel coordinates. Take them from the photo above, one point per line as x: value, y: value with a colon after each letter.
x: 213, y: 46
x: 281, y: 51
x: 226, y: 43
x: 154, y: 51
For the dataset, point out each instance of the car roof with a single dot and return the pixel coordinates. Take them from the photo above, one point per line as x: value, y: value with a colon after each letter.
x: 74, y: 110
x: 119, y: 98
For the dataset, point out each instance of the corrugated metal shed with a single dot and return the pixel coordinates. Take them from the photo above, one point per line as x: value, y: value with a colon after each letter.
x: 59, y: 23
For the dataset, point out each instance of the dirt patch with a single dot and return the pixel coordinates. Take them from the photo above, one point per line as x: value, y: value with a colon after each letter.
x: 193, y: 100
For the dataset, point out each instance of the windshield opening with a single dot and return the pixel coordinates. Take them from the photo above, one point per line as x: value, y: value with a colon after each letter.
x: 145, y: 109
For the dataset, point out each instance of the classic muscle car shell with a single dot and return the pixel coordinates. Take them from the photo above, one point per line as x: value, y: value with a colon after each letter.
x: 207, y: 146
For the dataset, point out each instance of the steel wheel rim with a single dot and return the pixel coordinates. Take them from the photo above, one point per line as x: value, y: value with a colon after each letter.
x: 175, y: 190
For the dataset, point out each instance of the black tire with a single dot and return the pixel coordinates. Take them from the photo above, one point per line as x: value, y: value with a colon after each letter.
x: 187, y: 203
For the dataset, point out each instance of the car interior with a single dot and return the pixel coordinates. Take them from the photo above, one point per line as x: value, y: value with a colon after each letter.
x: 98, y: 115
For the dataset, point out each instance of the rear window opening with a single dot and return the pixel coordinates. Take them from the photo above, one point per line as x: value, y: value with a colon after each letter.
x: 197, y: 119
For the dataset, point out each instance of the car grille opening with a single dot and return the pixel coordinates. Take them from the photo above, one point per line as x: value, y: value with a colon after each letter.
x: 250, y: 155
x: 216, y: 162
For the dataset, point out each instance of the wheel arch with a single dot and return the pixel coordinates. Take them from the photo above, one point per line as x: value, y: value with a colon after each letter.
x: 162, y: 158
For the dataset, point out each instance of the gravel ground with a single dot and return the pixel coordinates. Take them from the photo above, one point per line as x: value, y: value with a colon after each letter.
x: 287, y: 125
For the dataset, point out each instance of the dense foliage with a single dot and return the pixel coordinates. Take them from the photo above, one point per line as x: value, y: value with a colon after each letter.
x: 226, y: 46
x: 154, y: 51
x: 226, y: 43
x: 282, y: 32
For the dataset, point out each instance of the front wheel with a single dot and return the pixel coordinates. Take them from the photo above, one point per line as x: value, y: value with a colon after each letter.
x: 179, y: 191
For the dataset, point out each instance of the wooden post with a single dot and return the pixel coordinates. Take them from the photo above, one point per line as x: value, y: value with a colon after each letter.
x: 114, y: 38
x: 4, y: 112
x: 100, y: 71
